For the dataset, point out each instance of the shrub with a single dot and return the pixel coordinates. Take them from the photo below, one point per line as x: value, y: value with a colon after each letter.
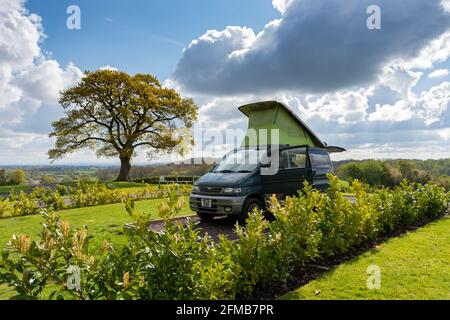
x: 297, y: 225
x: 17, y: 177
x: 83, y: 195
x: 179, y: 263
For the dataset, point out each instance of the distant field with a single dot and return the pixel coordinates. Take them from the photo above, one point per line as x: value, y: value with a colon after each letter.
x: 8, y: 189
x: 414, y: 266
x: 111, y: 184
x: 124, y: 185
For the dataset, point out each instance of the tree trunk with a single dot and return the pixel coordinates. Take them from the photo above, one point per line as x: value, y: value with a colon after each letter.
x: 125, y: 168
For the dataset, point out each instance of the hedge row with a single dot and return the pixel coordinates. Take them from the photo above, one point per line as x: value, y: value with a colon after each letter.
x: 179, y: 264
x: 83, y: 195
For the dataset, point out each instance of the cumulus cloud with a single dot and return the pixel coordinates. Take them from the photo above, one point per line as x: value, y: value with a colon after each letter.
x: 281, y: 5
x: 29, y: 81
x: 316, y: 46
x: 435, y: 103
x: 398, y: 112
x: 438, y: 73
x: 445, y: 133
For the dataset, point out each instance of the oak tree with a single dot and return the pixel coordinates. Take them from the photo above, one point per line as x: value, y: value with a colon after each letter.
x: 115, y: 113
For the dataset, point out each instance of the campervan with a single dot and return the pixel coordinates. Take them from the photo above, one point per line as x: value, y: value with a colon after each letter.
x: 276, y: 162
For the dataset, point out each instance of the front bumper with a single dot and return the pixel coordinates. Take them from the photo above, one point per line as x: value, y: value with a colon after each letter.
x: 219, y: 204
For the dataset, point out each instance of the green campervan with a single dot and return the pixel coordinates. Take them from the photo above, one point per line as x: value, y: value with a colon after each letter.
x: 279, y: 152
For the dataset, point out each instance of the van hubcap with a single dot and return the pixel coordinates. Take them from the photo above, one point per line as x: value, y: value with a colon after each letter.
x: 253, y: 206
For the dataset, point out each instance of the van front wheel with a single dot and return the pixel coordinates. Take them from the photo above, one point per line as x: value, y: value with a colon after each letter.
x: 249, y: 206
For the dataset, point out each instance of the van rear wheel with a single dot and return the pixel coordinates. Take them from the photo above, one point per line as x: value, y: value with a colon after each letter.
x: 249, y: 206
x: 205, y: 217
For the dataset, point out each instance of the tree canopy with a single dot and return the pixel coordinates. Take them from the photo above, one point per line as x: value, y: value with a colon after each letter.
x: 114, y: 113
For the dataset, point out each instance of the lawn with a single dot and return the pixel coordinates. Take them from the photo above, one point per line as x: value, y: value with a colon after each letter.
x: 123, y: 185
x: 8, y: 189
x: 110, y: 184
x: 413, y: 266
x: 104, y: 222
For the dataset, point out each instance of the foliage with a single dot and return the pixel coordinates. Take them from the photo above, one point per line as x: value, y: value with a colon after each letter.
x: 388, y: 173
x: 48, y: 180
x: 178, y: 263
x: 83, y: 195
x: 115, y: 113
x: 17, y: 177
x: 152, y: 173
x: 3, y: 177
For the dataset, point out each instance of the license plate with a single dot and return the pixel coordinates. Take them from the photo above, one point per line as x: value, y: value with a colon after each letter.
x: 206, y: 203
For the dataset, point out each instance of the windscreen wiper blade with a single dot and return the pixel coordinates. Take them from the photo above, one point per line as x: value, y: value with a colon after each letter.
x: 225, y: 171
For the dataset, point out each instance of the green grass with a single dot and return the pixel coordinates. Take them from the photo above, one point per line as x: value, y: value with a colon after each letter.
x: 110, y: 184
x: 104, y: 222
x: 124, y: 185
x: 8, y: 189
x: 413, y: 266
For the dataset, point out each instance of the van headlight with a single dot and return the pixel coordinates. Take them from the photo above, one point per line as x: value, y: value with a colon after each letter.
x: 232, y: 190
x: 195, y: 189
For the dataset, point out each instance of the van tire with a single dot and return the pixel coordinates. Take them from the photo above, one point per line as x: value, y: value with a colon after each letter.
x: 204, y: 217
x: 249, y: 205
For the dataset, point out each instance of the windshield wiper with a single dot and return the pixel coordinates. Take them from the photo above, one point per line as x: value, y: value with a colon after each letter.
x: 225, y: 171
x: 244, y: 171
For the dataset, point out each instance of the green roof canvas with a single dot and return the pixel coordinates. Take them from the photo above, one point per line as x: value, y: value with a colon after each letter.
x: 271, y: 115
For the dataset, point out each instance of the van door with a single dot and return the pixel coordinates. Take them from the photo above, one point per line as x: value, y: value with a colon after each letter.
x: 321, y: 165
x: 294, y: 169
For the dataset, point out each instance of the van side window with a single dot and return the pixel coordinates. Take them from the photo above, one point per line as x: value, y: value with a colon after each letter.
x: 321, y: 162
x: 293, y: 159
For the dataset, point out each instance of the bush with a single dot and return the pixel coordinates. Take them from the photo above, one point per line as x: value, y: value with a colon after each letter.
x: 17, y: 177
x: 83, y: 195
x: 180, y: 264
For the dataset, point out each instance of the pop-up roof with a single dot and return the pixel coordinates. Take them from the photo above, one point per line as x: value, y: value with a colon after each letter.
x: 276, y: 115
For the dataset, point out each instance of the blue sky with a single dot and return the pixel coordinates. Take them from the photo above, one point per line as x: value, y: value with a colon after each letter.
x: 140, y: 35
x: 379, y: 93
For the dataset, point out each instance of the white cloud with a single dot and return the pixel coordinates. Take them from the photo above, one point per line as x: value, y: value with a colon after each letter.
x: 435, y: 52
x: 343, y: 107
x: 438, y: 73
x: 400, y: 111
x: 435, y: 102
x: 29, y: 81
x: 108, y: 67
x: 43, y: 81
x: 281, y: 5
x: 445, y: 133
x: 372, y: 105
x: 398, y: 78
x: 316, y: 46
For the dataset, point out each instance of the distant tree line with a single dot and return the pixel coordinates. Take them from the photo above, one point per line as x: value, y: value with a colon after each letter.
x: 142, y: 172
x: 390, y: 173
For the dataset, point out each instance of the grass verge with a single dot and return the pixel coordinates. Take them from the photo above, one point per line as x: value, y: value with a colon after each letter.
x: 414, y: 266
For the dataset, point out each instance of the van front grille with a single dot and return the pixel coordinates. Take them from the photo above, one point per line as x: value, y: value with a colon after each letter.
x: 211, y: 190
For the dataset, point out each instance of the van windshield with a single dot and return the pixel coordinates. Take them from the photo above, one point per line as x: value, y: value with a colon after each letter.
x: 240, y: 161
